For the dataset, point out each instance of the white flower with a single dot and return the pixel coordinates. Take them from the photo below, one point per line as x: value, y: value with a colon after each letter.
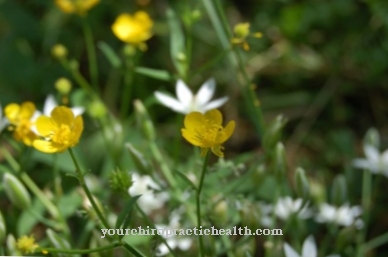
x: 309, y: 249
x: 285, y: 207
x: 343, y: 215
x: 146, y: 186
x: 3, y: 120
x: 265, y: 214
x: 50, y: 104
x: 375, y: 162
x: 188, y: 102
x: 173, y: 241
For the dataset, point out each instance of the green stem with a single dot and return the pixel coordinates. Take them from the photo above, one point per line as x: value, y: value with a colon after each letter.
x: 366, y: 204
x: 374, y: 243
x: 164, y: 167
x: 199, y: 190
x: 86, y: 189
x: 128, y: 81
x: 90, y: 48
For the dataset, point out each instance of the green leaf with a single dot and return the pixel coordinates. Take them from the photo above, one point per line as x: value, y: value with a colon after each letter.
x: 109, y: 54
x: 186, y: 179
x: 177, y: 43
x: 154, y: 73
x: 125, y: 216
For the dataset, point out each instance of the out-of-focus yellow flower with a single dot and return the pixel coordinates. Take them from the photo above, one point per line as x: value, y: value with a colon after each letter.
x: 206, y: 131
x: 241, y: 33
x: 59, y: 51
x: 60, y: 131
x: 133, y: 29
x: 20, y: 117
x: 79, y: 7
x: 26, y: 244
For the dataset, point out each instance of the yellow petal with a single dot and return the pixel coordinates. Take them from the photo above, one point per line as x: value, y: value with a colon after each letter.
x: 63, y: 115
x: 228, y: 131
x: 45, y: 125
x: 143, y: 18
x: 217, y: 150
x: 44, y: 146
x: 214, y: 116
x: 78, y: 128
x: 191, y: 137
x: 11, y: 111
x: 194, y: 121
x: 27, y: 110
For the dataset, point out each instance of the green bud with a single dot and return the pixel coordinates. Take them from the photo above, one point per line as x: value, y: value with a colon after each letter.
x: 318, y: 192
x: 119, y: 181
x: 372, y: 137
x: 97, y: 109
x: 129, y: 50
x: 58, y: 242
x: 273, y: 132
x: 280, y: 161
x: 339, y: 190
x: 63, y: 85
x: 181, y: 57
x: 138, y: 158
x: 59, y: 51
x: 74, y: 65
x: 301, y: 183
x: 3, y: 231
x: 16, y: 191
x: 144, y: 120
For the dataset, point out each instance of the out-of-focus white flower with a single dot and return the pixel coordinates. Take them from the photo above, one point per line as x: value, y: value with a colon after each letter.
x: 309, y: 249
x: 286, y: 206
x: 343, y: 215
x: 50, y: 104
x: 146, y: 186
x: 187, y: 102
x: 266, y: 214
x: 374, y: 161
x: 173, y: 241
x: 3, y: 120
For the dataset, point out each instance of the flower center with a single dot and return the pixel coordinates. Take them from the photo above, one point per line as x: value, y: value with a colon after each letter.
x: 62, y: 135
x: 209, y: 133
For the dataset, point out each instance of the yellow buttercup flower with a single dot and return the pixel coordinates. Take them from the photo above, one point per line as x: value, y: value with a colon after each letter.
x: 20, y: 117
x: 133, y: 29
x: 60, y: 131
x: 206, y: 131
x: 79, y: 7
x: 241, y: 33
x: 26, y: 244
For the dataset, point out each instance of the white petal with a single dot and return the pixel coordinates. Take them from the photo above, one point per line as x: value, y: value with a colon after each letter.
x: 49, y: 105
x: 78, y: 110
x: 185, y: 96
x: 309, y: 248
x: 371, y: 153
x: 171, y: 103
x: 361, y: 164
x: 289, y: 251
x: 206, y: 92
x: 216, y: 103
x: 162, y: 250
x: 184, y: 244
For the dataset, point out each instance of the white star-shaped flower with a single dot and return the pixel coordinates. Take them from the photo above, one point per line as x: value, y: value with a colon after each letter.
x: 375, y: 162
x: 286, y: 206
x: 309, y: 249
x: 343, y: 215
x: 187, y: 102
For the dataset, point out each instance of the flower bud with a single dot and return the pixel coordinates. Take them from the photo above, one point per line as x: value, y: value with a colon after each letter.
x: 339, y: 194
x: 97, y: 109
x: 63, y: 85
x: 273, y: 132
x: 3, y: 231
x: 139, y: 160
x: 59, y: 51
x: 58, y: 242
x: 241, y: 30
x: 301, y: 183
x: 16, y: 191
x: 372, y: 138
x: 119, y: 181
x: 280, y: 161
x: 318, y: 192
x: 144, y: 120
x: 129, y: 50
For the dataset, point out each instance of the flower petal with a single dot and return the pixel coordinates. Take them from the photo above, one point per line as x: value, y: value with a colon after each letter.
x: 78, y: 128
x: 205, y: 93
x: 185, y: 96
x: 191, y: 137
x: 214, y: 116
x: 27, y: 109
x: 44, y: 146
x: 289, y: 251
x: 78, y: 110
x: 170, y: 102
x: 11, y: 111
x: 45, y: 126
x: 63, y: 115
x: 227, y: 131
x: 49, y: 105
x: 215, y: 104
x: 194, y: 121
x: 309, y: 248
x: 371, y: 153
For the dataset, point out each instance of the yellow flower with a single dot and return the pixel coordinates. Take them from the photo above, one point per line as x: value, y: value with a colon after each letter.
x: 241, y: 33
x: 60, y: 131
x: 20, y: 117
x: 79, y: 7
x: 26, y: 244
x: 206, y: 131
x: 133, y: 29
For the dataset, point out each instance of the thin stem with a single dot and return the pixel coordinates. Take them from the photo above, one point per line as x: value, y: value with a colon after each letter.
x: 90, y: 48
x: 199, y: 190
x: 130, y: 63
x: 374, y: 243
x: 81, y: 251
x: 164, y: 167
x: 366, y: 204
x: 86, y: 189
